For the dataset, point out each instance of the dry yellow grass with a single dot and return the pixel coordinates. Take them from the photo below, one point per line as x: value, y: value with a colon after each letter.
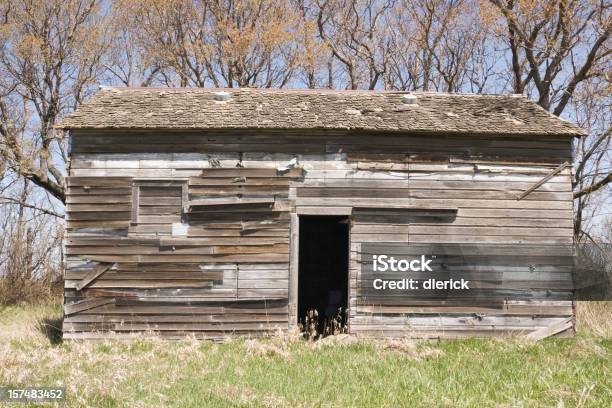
x: 286, y: 371
x: 595, y: 318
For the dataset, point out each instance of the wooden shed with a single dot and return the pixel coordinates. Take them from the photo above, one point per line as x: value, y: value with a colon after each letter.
x: 219, y: 212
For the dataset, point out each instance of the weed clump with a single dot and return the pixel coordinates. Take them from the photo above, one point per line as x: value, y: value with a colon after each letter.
x: 314, y: 328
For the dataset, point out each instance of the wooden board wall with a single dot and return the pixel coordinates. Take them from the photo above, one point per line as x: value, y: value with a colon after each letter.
x: 212, y: 256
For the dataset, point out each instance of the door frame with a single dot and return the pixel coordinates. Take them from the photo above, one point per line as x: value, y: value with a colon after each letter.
x: 294, y: 255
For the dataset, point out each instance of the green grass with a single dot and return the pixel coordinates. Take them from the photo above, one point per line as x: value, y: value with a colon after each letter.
x: 283, y: 372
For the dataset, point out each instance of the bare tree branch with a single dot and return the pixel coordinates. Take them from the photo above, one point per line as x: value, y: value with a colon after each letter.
x: 594, y: 187
x: 11, y: 200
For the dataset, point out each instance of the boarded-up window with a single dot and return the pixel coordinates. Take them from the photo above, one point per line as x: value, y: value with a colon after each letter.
x: 158, y: 202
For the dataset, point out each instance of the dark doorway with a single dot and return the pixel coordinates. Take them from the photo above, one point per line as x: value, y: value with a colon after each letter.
x: 323, y: 269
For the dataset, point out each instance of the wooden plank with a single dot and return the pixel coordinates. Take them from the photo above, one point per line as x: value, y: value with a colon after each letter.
x: 159, y: 219
x: 91, y: 276
x: 135, y: 204
x: 238, y: 181
x: 466, y: 308
x: 224, y: 190
x: 231, y: 201
x: 453, y: 229
x: 97, y: 182
x: 241, y: 240
x: 100, y: 216
x: 251, y: 172
x: 407, y: 209
x: 551, y: 330
x: 110, y: 198
x: 544, y: 180
x: 150, y: 284
x: 212, y: 318
x: 207, y: 249
x: 96, y: 224
x: 293, y: 270
x: 246, y: 306
x: 173, y: 258
x: 518, y: 213
x: 87, y: 304
x: 437, y: 203
x: 428, y: 193
x: 313, y: 210
x: 216, y: 326
x: 184, y: 199
x: 143, y: 274
x: 106, y: 240
x: 489, y: 184
x: 99, y: 207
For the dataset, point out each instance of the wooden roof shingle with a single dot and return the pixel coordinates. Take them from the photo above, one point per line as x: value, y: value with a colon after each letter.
x: 375, y: 111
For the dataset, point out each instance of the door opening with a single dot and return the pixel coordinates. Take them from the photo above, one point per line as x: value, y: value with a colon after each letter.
x: 323, y: 272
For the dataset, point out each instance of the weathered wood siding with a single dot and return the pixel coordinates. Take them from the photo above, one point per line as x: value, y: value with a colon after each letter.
x: 166, y: 233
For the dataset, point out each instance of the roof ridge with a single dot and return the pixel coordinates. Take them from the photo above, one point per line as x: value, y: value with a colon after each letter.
x: 307, y: 90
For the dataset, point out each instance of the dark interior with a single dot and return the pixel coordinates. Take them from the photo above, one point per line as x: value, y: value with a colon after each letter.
x: 323, y: 265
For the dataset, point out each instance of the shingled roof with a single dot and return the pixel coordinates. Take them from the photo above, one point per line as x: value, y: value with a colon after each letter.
x: 376, y: 111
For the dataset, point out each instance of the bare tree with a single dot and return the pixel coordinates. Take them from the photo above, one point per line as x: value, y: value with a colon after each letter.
x: 127, y: 61
x: 30, y: 246
x: 315, y: 59
x: 439, y: 45
x: 556, y: 45
x: 49, y: 59
x: 219, y: 43
x: 560, y: 54
x: 358, y: 35
x: 593, y: 156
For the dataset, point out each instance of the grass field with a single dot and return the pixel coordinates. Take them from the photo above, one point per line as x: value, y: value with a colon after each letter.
x: 569, y: 372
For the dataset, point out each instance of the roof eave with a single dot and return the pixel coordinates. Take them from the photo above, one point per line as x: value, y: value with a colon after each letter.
x: 578, y: 132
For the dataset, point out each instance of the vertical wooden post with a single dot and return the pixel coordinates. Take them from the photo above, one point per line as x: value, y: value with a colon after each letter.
x: 185, y: 202
x: 349, y: 292
x: 135, y: 203
x: 293, y: 270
